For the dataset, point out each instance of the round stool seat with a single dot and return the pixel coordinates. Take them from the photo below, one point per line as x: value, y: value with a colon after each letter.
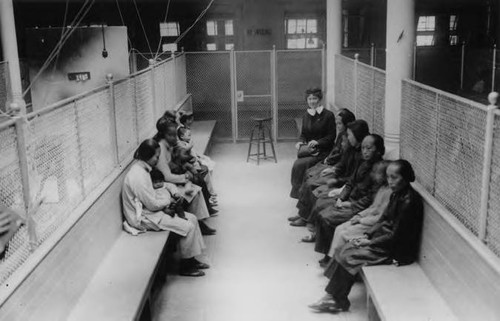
x: 260, y: 119
x: 258, y: 137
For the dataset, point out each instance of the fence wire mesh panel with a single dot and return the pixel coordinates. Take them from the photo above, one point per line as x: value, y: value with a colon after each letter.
x: 296, y: 72
x: 344, y: 83
x: 144, y: 105
x: 364, y: 80
x: 419, y: 122
x: 180, y: 77
x: 169, y: 85
x: 209, y: 82
x: 493, y: 219
x: 4, y: 84
x: 11, y: 195
x: 96, y: 146
x: 378, y: 101
x: 460, y: 159
x: 159, y: 85
x: 126, y: 125
x: 253, y: 87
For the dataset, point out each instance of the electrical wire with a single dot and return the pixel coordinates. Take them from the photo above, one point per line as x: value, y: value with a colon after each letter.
x: 164, y: 21
x: 194, y: 23
x: 142, y: 26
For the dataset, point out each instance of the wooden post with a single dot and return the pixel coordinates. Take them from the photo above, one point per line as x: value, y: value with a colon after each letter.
x: 274, y: 94
x: 355, y: 77
x: 112, y: 115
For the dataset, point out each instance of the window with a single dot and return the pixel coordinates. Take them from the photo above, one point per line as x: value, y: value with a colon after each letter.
x: 426, y: 27
x: 169, y: 29
x: 220, y: 34
x: 302, y: 33
x: 453, y: 39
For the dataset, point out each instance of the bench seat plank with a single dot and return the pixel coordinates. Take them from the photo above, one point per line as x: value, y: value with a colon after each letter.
x: 404, y: 293
x: 116, y: 292
x: 201, y: 133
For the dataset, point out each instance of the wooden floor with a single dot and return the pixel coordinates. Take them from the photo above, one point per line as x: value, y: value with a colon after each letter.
x: 260, y: 271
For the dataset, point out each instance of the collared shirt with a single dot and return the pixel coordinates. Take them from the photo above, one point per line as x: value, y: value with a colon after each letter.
x: 313, y: 111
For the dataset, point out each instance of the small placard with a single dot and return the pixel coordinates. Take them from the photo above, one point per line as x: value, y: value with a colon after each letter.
x: 171, y: 47
x: 79, y: 76
x: 240, y: 97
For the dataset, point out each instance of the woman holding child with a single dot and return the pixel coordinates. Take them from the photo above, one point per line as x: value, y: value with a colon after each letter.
x: 146, y: 209
x: 316, y: 138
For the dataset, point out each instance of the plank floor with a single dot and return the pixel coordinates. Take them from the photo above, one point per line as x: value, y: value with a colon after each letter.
x: 260, y: 270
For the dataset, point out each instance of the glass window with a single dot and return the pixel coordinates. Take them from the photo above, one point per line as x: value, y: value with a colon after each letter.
x: 453, y: 22
x: 229, y: 46
x: 211, y: 46
x: 312, y: 26
x: 426, y: 23
x: 453, y: 40
x: 425, y: 40
x: 229, y: 28
x: 301, y: 33
x: 169, y: 29
x: 212, y: 27
x: 292, y: 26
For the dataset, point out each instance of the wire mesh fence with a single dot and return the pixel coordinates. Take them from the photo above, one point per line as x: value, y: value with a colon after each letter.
x: 4, y: 84
x: 71, y: 148
x: 295, y: 72
x: 492, y: 236
x: 208, y: 77
x: 344, y: 83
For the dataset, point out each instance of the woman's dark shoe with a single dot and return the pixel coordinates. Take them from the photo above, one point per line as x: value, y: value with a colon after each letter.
x: 324, y: 261
x: 299, y: 222
x: 330, y: 306
x: 200, y: 265
x: 294, y: 218
x: 212, y: 211
x: 205, y: 229
x: 311, y: 238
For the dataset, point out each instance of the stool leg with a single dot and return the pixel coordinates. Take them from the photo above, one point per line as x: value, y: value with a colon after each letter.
x: 258, y: 145
x: 250, y: 144
x: 263, y: 133
x: 272, y: 144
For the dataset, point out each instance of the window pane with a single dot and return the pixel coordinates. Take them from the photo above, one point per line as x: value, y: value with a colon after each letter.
x: 312, y: 26
x: 291, y: 44
x: 169, y: 29
x: 426, y: 23
x: 229, y: 28
x: 301, y: 43
x: 453, y: 40
x: 425, y: 40
x: 312, y: 42
x: 229, y: 46
x: 453, y: 22
x: 301, y: 26
x: 212, y: 27
x: 292, y: 26
x: 211, y: 46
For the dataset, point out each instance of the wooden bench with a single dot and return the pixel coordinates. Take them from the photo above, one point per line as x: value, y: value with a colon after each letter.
x: 456, y: 277
x: 97, y: 271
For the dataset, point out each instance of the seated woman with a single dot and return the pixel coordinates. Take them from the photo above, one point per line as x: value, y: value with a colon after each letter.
x: 365, y: 219
x: 394, y: 238
x: 167, y: 139
x: 351, y: 158
x: 156, y: 213
x: 314, y: 175
x: 316, y: 138
x: 354, y: 197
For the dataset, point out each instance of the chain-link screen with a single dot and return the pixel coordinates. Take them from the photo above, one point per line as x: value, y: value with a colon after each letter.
x: 344, y: 83
x: 125, y: 113
x: 96, y: 144
x: 144, y: 104
x: 253, y: 86
x: 159, y: 85
x: 419, y: 122
x: 180, y: 75
x: 209, y: 83
x: 296, y: 71
x: 4, y: 84
x: 169, y: 85
x: 378, y: 101
x: 460, y: 159
x: 364, y: 88
x: 493, y: 218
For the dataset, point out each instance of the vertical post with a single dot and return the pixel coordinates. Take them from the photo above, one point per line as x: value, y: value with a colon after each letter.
x: 323, y: 72
x: 488, y: 151
x: 175, y: 79
x: 372, y: 54
x: 274, y: 94
x: 355, y: 78
x: 10, y: 53
x: 414, y: 66
x: 112, y: 115
x: 493, y: 67
x: 22, y: 150
x: 334, y: 41
x: 152, y: 64
x: 462, y: 64
x: 232, y: 73
x: 80, y: 153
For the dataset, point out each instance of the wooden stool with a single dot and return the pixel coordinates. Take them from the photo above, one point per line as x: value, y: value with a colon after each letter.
x: 259, y: 130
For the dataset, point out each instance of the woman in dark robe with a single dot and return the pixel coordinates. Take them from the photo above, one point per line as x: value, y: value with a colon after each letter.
x: 316, y: 138
x: 395, y: 238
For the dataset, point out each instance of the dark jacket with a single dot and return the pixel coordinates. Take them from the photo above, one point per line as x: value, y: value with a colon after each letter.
x: 399, y: 228
x: 320, y: 128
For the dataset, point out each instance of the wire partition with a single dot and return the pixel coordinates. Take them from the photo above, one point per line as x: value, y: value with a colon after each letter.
x: 4, y: 84
x: 67, y: 151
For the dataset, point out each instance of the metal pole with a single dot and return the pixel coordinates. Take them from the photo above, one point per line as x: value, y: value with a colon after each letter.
x: 355, y: 78
x: 494, y: 67
x: 10, y: 53
x: 462, y: 64
x: 488, y: 151
x: 323, y: 72
x: 112, y: 115
x: 414, y: 72
x: 175, y: 79
x: 372, y: 54
x: 152, y: 64
x: 274, y: 94
x: 233, y: 94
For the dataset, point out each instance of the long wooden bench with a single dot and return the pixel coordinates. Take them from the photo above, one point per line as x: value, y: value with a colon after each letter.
x: 97, y: 271
x: 456, y: 276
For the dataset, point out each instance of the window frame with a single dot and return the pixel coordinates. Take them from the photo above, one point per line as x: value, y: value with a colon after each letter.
x: 306, y: 36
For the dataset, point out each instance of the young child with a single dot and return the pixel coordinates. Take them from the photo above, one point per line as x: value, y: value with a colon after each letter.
x: 200, y: 162
x: 365, y: 219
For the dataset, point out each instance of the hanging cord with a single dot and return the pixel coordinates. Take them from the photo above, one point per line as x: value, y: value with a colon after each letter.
x: 61, y: 42
x: 194, y: 23
x: 142, y: 26
x: 164, y: 21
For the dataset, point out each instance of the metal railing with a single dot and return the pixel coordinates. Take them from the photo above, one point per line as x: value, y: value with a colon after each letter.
x: 68, y: 151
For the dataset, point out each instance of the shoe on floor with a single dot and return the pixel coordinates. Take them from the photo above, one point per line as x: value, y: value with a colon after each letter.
x: 200, y: 265
x: 293, y: 218
x: 330, y: 306
x: 205, y: 229
x: 320, y: 302
x: 311, y: 238
x: 299, y: 222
